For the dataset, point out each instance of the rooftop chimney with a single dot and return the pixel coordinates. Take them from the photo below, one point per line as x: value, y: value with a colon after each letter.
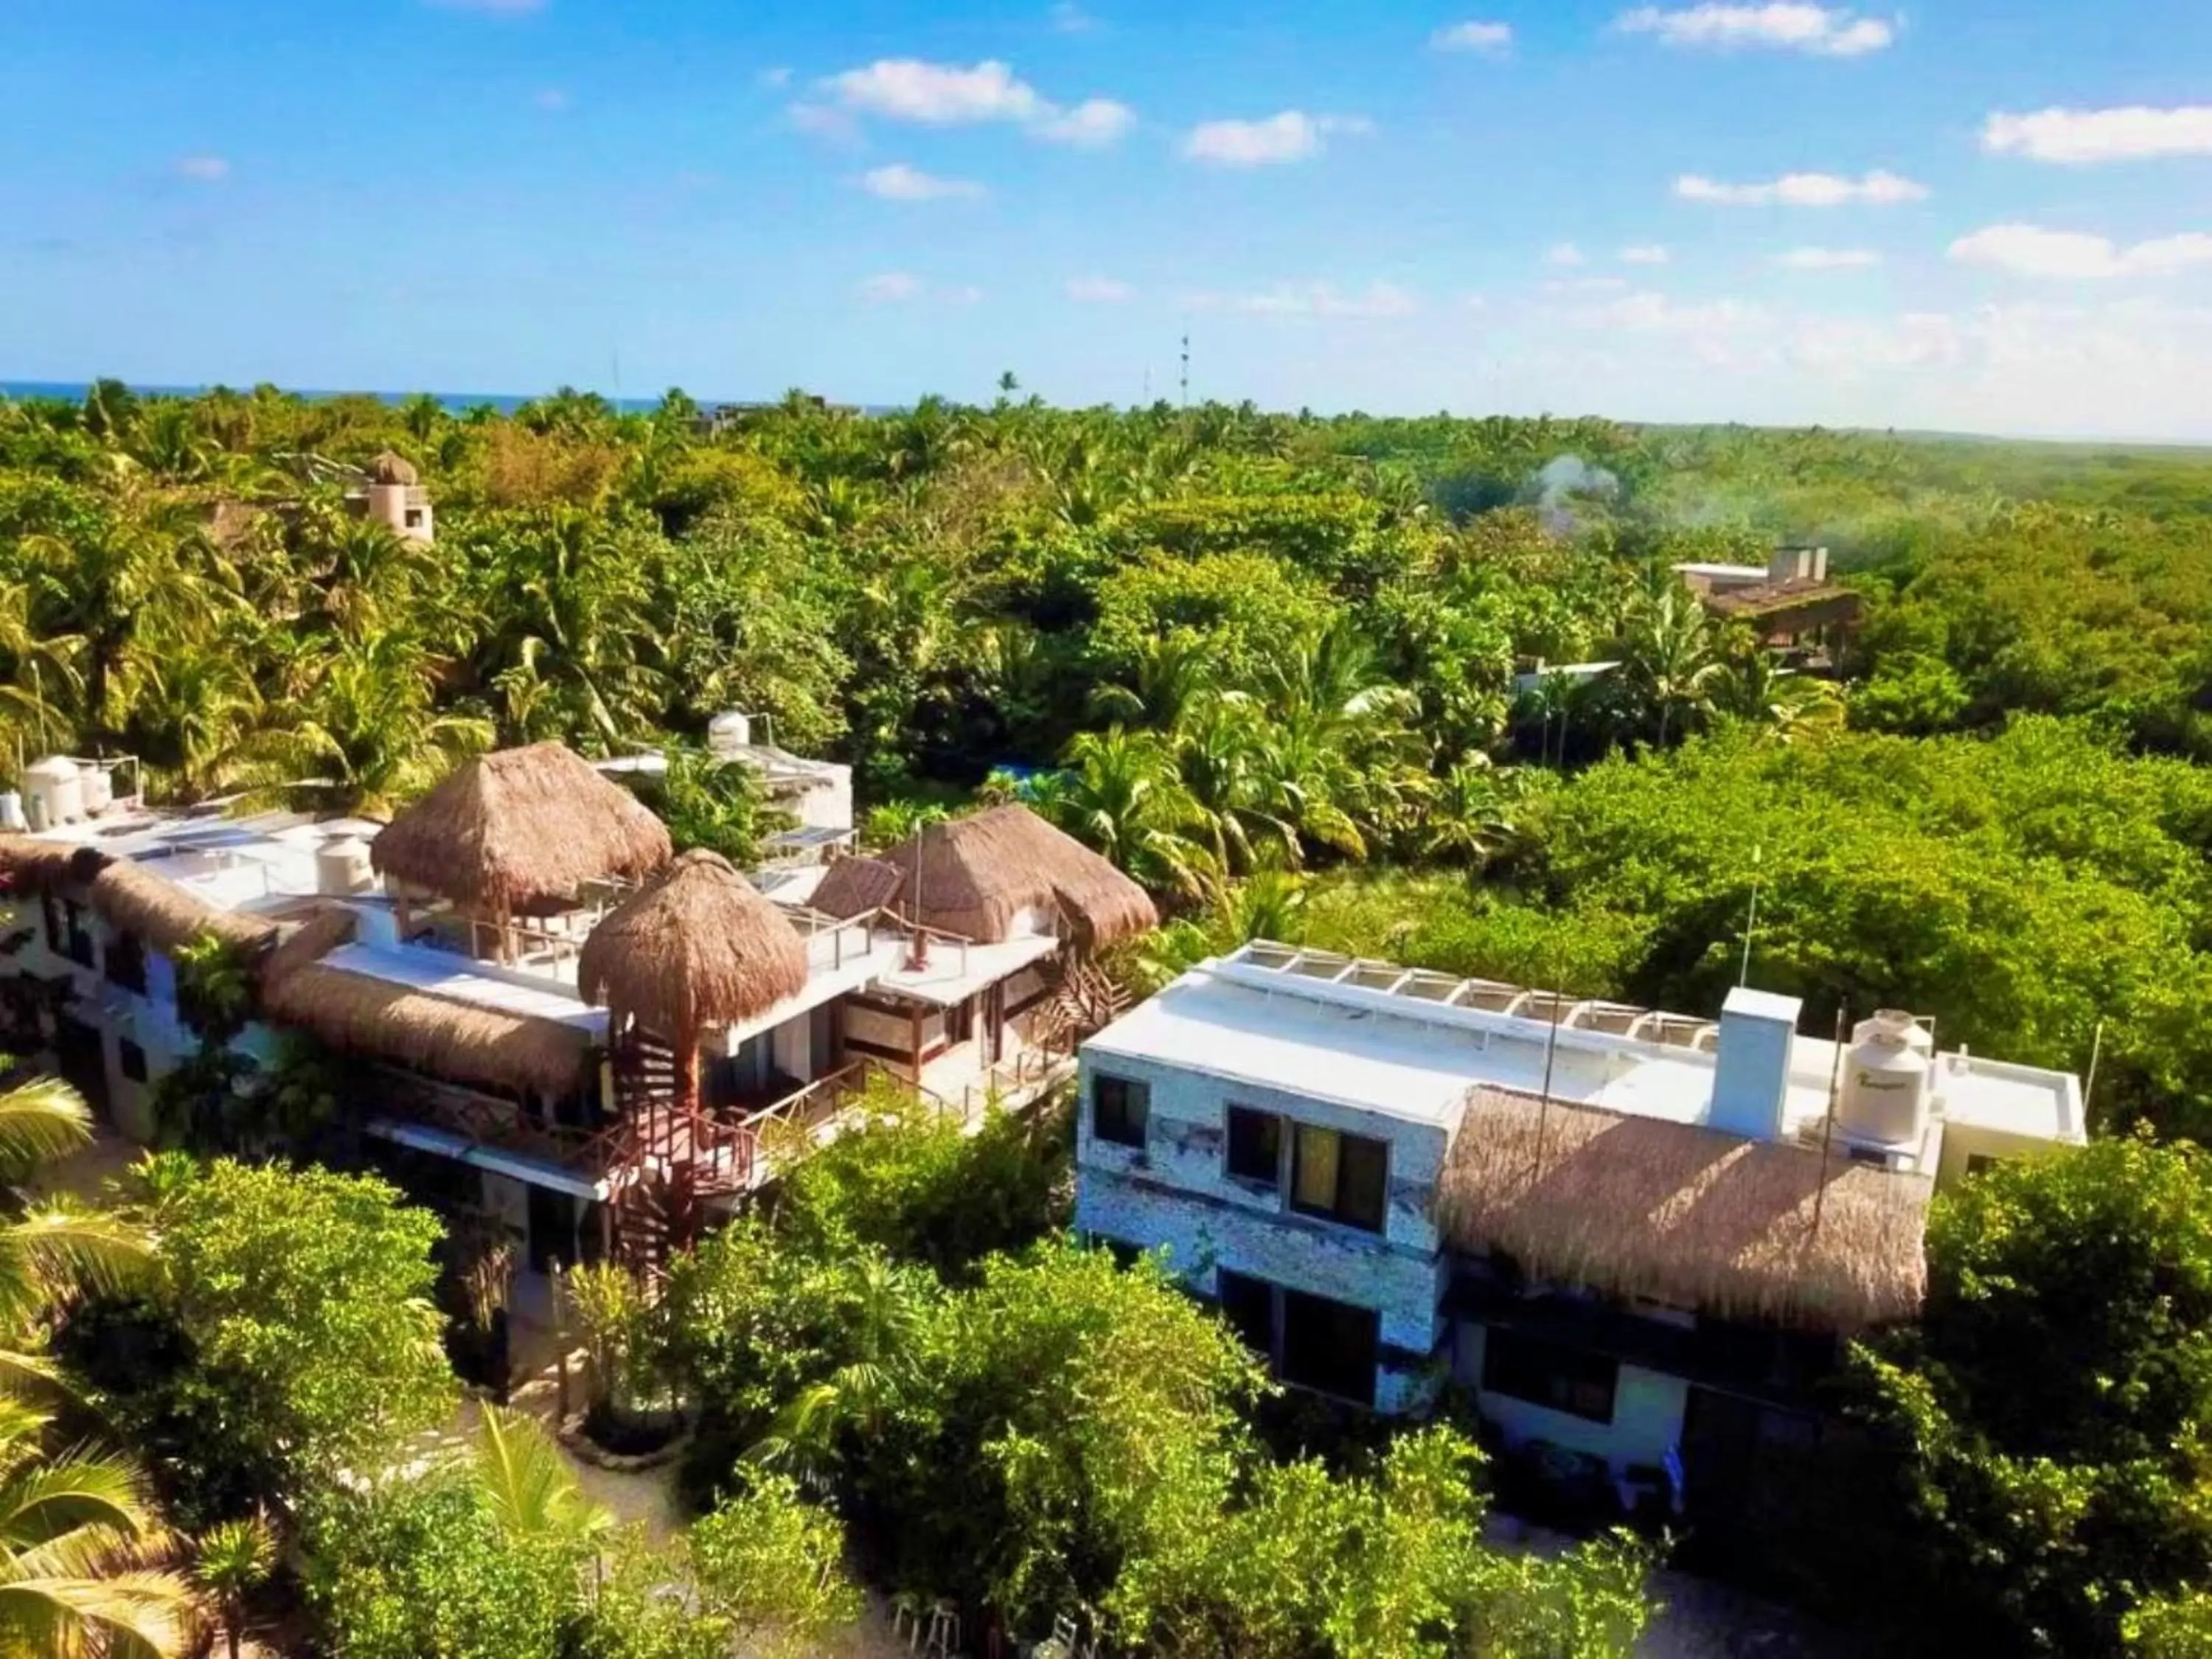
x: 1751, y: 1077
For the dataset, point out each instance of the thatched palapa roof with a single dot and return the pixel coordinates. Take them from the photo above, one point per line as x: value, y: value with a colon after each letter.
x: 855, y: 886
x: 519, y: 829
x: 359, y: 1014
x: 698, y: 949
x: 127, y: 895
x: 979, y: 873
x: 163, y: 914
x: 1685, y: 1215
x: 46, y: 867
x: 389, y: 468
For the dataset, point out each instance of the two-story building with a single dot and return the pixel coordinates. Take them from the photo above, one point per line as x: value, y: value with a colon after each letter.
x: 1628, y: 1235
x: 548, y: 1017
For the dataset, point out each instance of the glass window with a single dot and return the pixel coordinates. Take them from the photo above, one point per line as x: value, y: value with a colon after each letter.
x: 1255, y: 1145
x: 79, y: 947
x: 125, y: 961
x: 1120, y: 1109
x: 1343, y: 1177
x: 1330, y: 1346
x: 131, y: 1060
x: 1546, y: 1374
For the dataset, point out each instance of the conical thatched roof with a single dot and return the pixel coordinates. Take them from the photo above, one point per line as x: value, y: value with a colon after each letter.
x: 519, y: 829
x: 979, y: 874
x: 698, y: 949
x: 1685, y: 1215
x: 390, y: 468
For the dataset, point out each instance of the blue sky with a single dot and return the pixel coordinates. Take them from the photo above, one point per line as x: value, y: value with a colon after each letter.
x: 1991, y: 214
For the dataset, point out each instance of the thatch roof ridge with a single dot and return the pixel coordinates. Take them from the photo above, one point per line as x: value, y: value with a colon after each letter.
x: 133, y: 898
x: 326, y: 929
x: 521, y: 827
x: 164, y: 915
x: 855, y: 886
x: 980, y: 873
x: 698, y: 948
x: 1682, y: 1214
x: 361, y: 1014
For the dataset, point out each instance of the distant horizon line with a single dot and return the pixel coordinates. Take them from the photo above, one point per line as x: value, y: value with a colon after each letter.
x: 507, y: 402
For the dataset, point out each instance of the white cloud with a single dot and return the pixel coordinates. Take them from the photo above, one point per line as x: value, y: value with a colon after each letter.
x: 1586, y: 285
x: 890, y: 287
x: 1292, y: 135
x: 1490, y: 39
x: 900, y: 287
x: 1848, y: 347
x: 1651, y: 312
x: 202, y: 169
x: 900, y: 182
x: 1823, y: 30
x: 947, y: 94
x: 1313, y: 299
x: 1563, y: 254
x: 2079, y: 136
x: 1099, y: 290
x: 1828, y: 259
x: 1645, y: 254
x: 551, y: 99
x: 775, y: 78
x: 937, y: 94
x: 1091, y: 124
x: 1069, y: 18
x: 1808, y: 190
x: 825, y: 121
x: 2032, y: 251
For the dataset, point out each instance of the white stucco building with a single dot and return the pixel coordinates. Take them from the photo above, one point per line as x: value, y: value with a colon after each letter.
x: 1623, y: 1232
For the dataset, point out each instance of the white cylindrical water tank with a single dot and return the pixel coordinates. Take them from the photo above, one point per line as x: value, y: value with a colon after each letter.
x: 1888, y: 1078
x: 99, y: 787
x: 11, y: 810
x: 53, y: 792
x: 342, y: 866
x: 729, y: 731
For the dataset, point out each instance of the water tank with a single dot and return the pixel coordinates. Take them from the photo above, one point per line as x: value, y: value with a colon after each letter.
x: 53, y: 793
x: 1888, y: 1079
x: 728, y: 731
x: 11, y: 810
x: 97, y: 784
x: 342, y: 865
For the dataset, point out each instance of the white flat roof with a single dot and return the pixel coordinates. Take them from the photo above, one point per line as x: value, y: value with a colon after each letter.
x: 1259, y: 1017
x: 957, y: 972
x: 458, y: 979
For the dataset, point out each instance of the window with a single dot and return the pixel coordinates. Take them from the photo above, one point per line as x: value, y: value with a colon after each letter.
x: 1249, y: 1306
x: 1330, y: 1346
x: 1978, y: 1162
x: 1544, y: 1374
x: 57, y: 931
x: 126, y: 963
x: 1343, y: 1177
x: 1120, y: 1110
x: 414, y: 518
x: 130, y: 1060
x: 1255, y: 1147
x: 79, y: 948
x: 1310, y: 1341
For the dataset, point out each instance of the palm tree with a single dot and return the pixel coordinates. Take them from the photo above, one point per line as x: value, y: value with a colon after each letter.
x: 531, y: 1488
x: 1469, y: 819
x: 858, y: 1393
x: 234, y: 1559
x: 1669, y: 665
x: 51, y: 1248
x: 76, y: 1546
x: 1122, y: 793
x: 1755, y: 689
